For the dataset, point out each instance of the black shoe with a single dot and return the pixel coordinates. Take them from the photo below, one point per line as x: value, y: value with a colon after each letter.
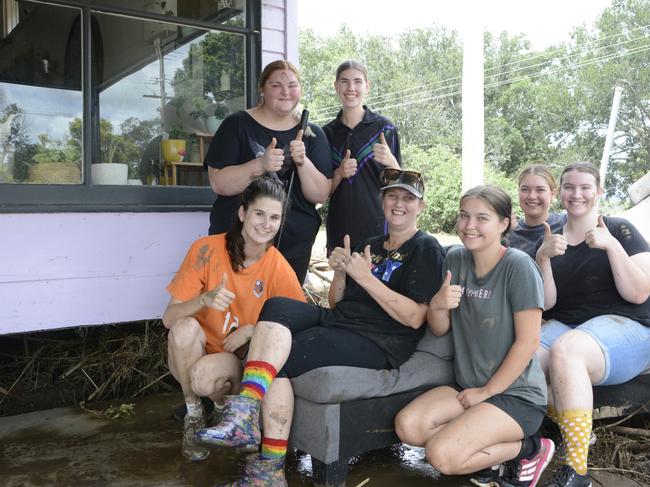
x: 487, y: 477
x: 179, y: 413
x: 565, y: 476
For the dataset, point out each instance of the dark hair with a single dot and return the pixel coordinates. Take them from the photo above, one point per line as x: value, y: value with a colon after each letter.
x: 541, y: 171
x: 586, y: 167
x: 496, y: 198
x: 262, y: 187
x: 352, y: 64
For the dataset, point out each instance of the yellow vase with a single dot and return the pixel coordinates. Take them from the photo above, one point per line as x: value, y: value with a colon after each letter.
x: 173, y: 150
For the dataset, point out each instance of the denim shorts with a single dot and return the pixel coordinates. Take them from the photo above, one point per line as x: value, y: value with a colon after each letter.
x: 624, y: 342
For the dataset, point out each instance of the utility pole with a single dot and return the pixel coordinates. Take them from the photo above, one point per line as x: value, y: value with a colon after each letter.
x: 473, y: 157
x: 613, y: 117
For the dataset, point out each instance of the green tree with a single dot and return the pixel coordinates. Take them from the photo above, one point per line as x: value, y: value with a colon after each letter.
x: 550, y: 106
x: 216, y: 57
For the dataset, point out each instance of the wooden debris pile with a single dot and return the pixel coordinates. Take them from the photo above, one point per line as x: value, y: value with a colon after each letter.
x: 66, y: 367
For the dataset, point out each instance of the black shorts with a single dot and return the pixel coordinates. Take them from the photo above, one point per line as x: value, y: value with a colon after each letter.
x: 528, y: 416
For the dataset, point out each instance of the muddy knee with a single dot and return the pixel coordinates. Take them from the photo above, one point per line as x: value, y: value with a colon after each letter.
x: 184, y: 333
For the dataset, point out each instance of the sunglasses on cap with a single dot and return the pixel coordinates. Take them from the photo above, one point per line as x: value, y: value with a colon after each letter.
x: 409, y: 180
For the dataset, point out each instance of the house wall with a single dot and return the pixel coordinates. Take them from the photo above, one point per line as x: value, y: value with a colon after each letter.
x: 62, y: 270
x: 70, y: 269
x: 279, y: 31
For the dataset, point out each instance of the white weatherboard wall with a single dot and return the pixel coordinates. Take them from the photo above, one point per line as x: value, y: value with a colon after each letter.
x: 279, y: 31
x: 61, y: 270
x: 70, y: 269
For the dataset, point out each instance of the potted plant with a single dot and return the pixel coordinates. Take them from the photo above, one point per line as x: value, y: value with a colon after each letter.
x: 173, y: 148
x: 107, y: 171
x: 220, y: 112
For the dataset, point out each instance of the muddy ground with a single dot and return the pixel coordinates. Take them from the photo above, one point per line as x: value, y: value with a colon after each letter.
x: 84, y: 448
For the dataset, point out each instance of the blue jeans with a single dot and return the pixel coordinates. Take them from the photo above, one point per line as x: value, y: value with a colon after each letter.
x: 625, y: 344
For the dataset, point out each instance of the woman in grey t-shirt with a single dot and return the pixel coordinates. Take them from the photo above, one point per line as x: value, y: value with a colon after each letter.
x: 491, y: 300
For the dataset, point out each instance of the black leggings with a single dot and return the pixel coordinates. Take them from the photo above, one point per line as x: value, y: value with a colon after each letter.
x: 314, y: 345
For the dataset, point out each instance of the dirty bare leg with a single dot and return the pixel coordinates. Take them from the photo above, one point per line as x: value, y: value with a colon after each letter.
x: 277, y: 409
x: 216, y: 375
x: 271, y: 343
x: 185, y: 345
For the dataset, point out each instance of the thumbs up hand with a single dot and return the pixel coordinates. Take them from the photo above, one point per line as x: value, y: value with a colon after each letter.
x: 218, y: 298
x: 359, y: 265
x: 348, y: 166
x: 599, y: 237
x: 382, y: 154
x: 553, y: 244
x: 448, y: 296
x: 297, y: 149
x: 273, y: 158
x: 340, y: 256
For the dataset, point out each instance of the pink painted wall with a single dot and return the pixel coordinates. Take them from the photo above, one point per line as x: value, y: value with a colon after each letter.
x: 279, y: 31
x: 68, y: 269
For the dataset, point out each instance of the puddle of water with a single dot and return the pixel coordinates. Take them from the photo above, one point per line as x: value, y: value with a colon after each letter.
x: 72, y: 447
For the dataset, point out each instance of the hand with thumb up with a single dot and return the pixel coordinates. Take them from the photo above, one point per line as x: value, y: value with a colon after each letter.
x: 382, y: 154
x: 218, y: 298
x: 348, y: 166
x: 359, y: 265
x: 448, y: 296
x: 599, y: 237
x: 553, y: 245
x: 297, y: 149
x: 341, y: 255
x: 273, y: 157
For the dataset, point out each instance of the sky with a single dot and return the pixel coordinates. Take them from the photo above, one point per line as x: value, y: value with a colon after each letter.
x: 544, y: 23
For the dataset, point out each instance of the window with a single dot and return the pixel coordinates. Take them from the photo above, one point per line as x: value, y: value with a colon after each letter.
x: 40, y: 95
x: 95, y: 139
x: 160, y: 81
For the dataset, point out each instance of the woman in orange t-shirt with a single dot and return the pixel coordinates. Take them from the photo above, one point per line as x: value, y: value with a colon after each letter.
x: 216, y: 297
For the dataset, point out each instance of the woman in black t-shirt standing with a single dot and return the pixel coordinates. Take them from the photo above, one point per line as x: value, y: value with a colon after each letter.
x: 362, y: 144
x: 268, y: 139
x: 596, y: 295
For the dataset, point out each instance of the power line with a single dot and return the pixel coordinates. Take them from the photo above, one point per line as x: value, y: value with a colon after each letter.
x: 417, y: 90
x: 494, y: 84
x: 544, y: 54
x: 456, y: 85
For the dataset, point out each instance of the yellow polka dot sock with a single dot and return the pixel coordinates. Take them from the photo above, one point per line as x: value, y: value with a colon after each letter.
x: 575, y: 425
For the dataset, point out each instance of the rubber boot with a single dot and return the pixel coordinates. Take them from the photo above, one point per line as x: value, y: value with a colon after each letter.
x: 239, y: 427
x: 261, y: 473
x: 190, y: 449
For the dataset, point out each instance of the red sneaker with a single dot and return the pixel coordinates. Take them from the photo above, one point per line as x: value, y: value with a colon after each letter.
x: 527, y: 471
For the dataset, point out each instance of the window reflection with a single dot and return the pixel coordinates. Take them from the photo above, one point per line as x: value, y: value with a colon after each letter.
x: 40, y: 96
x: 164, y: 81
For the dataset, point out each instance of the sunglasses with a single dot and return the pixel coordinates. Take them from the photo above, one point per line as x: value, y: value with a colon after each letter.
x: 397, y: 176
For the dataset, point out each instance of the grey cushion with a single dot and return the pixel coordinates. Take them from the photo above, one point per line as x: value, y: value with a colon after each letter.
x: 429, y: 366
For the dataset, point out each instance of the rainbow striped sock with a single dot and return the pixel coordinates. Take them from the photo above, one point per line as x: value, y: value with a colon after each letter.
x: 273, y: 449
x: 257, y: 379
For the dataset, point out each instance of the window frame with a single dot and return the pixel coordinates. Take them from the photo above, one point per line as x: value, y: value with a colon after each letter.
x: 85, y: 197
